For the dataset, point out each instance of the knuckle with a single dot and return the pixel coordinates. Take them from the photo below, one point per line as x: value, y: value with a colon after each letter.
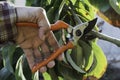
x: 40, y: 10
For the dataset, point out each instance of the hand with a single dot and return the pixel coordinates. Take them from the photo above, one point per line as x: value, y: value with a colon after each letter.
x: 37, y: 43
x: 36, y: 50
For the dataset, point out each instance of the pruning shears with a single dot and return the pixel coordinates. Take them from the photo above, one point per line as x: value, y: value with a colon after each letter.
x: 75, y: 33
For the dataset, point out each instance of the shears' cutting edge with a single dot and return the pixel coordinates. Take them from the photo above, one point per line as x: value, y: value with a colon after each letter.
x: 75, y: 32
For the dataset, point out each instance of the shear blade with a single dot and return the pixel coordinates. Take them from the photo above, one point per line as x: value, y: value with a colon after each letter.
x: 90, y: 26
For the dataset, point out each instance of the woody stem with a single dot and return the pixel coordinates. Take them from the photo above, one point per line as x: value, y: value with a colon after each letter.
x: 106, y: 37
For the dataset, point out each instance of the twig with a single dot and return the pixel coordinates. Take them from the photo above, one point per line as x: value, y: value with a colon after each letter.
x: 75, y: 16
x: 106, y: 37
x: 77, y: 19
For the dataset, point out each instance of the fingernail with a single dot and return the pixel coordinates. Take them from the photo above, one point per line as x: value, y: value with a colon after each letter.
x: 60, y: 57
x: 43, y: 69
x: 51, y: 64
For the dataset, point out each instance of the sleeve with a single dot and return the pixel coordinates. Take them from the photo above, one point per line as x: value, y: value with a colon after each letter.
x: 8, y: 29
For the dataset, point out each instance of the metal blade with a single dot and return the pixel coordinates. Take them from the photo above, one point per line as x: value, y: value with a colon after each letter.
x: 90, y: 26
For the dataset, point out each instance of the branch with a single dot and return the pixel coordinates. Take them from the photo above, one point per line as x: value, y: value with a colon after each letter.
x: 106, y: 37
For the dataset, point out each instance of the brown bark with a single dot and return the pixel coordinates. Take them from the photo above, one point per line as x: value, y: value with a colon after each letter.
x: 111, y: 17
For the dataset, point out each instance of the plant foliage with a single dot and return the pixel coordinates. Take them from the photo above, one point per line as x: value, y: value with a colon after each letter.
x: 87, y: 55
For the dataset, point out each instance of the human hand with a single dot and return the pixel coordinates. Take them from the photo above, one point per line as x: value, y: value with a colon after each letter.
x: 35, y: 49
x: 37, y: 43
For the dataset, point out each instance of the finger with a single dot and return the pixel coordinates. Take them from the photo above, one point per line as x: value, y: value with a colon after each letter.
x: 37, y: 56
x: 60, y: 57
x: 43, y: 69
x: 42, y: 32
x: 37, y: 42
x: 54, y: 44
x: 51, y: 64
x: 30, y: 57
x: 46, y: 52
x: 52, y: 41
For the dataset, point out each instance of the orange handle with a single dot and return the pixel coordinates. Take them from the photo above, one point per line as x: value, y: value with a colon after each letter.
x: 27, y: 24
x: 53, y: 56
x: 58, y: 25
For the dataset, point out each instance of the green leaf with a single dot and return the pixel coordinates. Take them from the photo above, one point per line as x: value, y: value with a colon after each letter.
x: 87, y: 54
x: 50, y: 14
x: 5, y: 74
x: 19, y: 70
x: 18, y: 52
x: 46, y: 76
x: 7, y: 54
x: 115, y: 5
x: 77, y: 55
x: 29, y: 2
x: 60, y: 9
x: 100, y: 62
x: 73, y: 64
x: 101, y: 5
x: 55, y: 9
x: 67, y: 72
x: 49, y: 1
x: 53, y: 74
x: 35, y: 76
x: 73, y: 1
x: 26, y: 70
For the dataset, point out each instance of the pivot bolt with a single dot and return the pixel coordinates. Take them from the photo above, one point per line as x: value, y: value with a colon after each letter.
x: 78, y: 32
